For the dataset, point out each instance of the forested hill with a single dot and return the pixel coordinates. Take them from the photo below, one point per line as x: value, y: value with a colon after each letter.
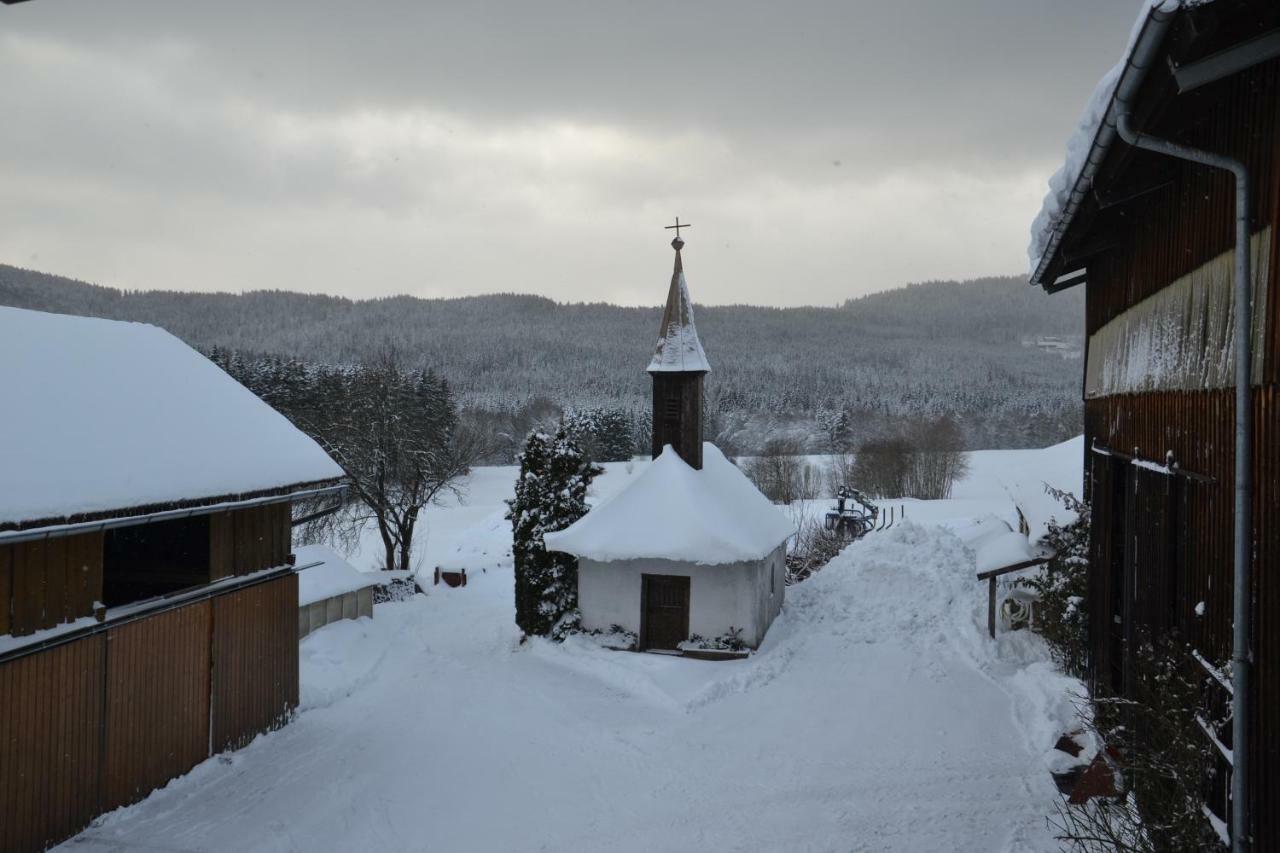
x: 966, y: 348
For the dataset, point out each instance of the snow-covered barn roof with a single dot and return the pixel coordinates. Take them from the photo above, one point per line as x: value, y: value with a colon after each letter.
x: 674, y: 512
x: 107, y: 418
x: 1096, y: 131
x: 678, y: 349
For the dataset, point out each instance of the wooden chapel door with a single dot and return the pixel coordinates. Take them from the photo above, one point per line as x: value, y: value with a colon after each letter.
x: 664, y: 602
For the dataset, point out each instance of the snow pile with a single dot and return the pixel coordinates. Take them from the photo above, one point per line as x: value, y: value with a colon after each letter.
x: 679, y: 349
x: 995, y: 546
x: 673, y: 512
x: 1084, y: 137
x: 334, y: 575
x: 106, y: 415
x: 1023, y: 475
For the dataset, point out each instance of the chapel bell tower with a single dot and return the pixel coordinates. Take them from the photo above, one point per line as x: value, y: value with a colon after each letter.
x: 677, y: 369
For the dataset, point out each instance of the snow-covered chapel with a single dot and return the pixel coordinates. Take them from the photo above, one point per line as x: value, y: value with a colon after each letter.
x: 691, y: 546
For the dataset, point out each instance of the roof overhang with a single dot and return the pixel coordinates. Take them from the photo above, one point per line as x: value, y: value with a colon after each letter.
x: 1177, y: 48
x: 1146, y: 47
x: 69, y: 526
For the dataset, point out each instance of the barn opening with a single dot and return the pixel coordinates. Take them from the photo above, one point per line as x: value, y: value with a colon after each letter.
x: 143, y: 561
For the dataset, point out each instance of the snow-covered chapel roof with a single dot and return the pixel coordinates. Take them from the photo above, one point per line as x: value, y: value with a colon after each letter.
x: 678, y: 350
x: 710, y: 516
x: 102, y: 417
x: 1096, y: 131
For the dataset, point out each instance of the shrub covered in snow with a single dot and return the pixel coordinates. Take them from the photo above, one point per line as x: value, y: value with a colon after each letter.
x: 1163, y: 756
x: 550, y: 494
x: 730, y: 641
x: 1062, y: 617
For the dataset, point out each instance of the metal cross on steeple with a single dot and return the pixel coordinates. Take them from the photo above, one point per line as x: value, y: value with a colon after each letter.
x: 678, y: 226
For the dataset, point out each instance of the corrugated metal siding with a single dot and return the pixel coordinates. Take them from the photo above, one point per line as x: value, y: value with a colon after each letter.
x: 1178, y: 228
x: 50, y: 743
x: 1173, y: 231
x: 255, y: 660
x: 157, y: 724
x: 1199, y: 428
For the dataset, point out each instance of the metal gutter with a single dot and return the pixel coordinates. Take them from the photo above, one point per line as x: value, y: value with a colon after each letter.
x: 1138, y: 63
x: 56, y: 530
x: 1242, y: 600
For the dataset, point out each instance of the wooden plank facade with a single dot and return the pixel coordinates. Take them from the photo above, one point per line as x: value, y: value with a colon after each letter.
x: 106, y: 713
x: 1162, y: 543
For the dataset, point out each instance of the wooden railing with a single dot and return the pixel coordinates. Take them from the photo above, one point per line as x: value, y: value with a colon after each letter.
x: 991, y: 575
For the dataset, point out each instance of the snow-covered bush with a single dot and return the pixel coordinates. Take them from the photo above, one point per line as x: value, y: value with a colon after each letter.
x: 813, y: 547
x: 730, y: 641
x: 1162, y: 755
x: 1062, y: 616
x: 616, y: 637
x: 550, y: 494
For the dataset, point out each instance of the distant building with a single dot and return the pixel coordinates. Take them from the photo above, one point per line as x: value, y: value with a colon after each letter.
x: 1152, y: 238
x: 690, y: 547
x: 148, y: 600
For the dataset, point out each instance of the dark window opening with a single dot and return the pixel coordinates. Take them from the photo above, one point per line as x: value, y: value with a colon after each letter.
x: 147, y: 560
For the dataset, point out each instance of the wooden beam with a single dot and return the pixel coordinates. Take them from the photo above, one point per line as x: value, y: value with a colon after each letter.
x: 1062, y: 284
x: 1015, y: 567
x: 1225, y: 63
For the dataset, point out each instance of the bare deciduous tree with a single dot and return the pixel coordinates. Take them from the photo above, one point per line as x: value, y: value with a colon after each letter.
x: 396, y: 434
x: 782, y: 473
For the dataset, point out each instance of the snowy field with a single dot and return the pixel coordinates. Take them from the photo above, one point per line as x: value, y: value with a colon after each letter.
x: 876, y: 717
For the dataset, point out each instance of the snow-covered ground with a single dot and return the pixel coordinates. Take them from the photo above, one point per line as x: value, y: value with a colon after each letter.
x: 876, y: 716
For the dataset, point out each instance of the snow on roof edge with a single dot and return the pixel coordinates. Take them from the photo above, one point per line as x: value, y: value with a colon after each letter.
x: 1058, y: 208
x: 712, y: 516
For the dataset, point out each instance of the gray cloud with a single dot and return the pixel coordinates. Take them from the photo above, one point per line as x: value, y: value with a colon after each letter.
x: 821, y: 149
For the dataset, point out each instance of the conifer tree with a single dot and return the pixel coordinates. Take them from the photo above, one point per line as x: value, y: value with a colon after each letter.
x: 550, y: 494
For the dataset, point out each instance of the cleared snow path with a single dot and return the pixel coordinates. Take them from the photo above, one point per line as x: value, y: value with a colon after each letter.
x: 875, y: 718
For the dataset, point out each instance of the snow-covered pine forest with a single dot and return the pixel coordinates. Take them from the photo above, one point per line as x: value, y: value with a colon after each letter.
x: 997, y: 355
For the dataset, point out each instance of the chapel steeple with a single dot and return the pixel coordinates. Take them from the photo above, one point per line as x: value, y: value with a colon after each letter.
x: 677, y: 368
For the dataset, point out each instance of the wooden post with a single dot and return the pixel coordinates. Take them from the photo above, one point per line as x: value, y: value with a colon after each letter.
x: 991, y: 606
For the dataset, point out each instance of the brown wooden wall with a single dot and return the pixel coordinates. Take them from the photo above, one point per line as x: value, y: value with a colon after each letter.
x: 255, y: 661
x: 99, y: 722
x: 249, y: 540
x: 49, y: 582
x: 157, y: 724
x: 1187, y: 559
x: 677, y: 415
x: 50, y: 743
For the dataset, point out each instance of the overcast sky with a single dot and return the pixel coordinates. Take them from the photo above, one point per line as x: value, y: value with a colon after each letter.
x: 370, y: 147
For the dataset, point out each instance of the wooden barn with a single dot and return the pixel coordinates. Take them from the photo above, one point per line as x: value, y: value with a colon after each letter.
x: 1175, y: 170
x: 148, y: 601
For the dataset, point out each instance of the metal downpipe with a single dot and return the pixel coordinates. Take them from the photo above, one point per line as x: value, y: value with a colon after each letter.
x: 1241, y: 656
